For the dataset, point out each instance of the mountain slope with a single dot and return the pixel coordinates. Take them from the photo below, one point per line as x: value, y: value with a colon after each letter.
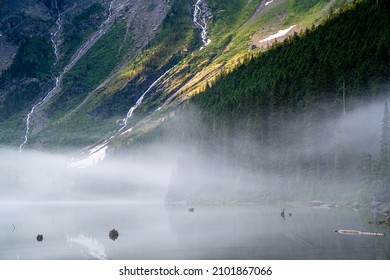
x: 116, y: 52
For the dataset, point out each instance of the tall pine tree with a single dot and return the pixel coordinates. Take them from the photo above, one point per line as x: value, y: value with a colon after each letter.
x: 385, y: 148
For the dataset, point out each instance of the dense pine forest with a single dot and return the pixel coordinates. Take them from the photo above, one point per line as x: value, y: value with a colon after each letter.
x: 285, y: 112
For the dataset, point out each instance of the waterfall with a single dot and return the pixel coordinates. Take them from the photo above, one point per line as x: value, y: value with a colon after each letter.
x: 98, y: 153
x: 56, y: 52
x: 139, y: 101
x: 80, y: 52
x: 199, y: 19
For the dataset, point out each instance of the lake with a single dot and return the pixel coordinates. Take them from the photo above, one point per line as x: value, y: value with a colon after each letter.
x: 80, y: 230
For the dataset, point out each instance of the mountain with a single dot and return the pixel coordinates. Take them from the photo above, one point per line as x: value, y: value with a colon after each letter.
x: 256, y: 88
x: 72, y: 70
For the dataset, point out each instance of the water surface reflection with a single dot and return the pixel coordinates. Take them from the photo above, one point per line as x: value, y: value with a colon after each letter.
x: 155, y: 231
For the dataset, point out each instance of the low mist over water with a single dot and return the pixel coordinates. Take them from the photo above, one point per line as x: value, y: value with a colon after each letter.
x: 158, y: 198
x: 183, y: 169
x: 40, y: 176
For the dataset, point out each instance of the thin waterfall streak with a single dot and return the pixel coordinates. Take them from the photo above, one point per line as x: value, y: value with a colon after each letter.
x: 56, y: 53
x: 30, y: 114
x: 78, y: 55
x: 98, y: 152
x: 139, y: 102
x: 199, y: 20
x: 54, y: 35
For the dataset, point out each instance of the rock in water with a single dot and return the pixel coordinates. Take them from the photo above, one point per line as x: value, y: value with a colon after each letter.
x: 113, y: 234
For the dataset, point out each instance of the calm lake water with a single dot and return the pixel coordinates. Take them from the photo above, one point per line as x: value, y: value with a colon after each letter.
x: 152, y: 231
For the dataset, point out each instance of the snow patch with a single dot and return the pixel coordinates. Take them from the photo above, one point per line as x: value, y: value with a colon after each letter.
x: 95, y: 156
x: 278, y: 34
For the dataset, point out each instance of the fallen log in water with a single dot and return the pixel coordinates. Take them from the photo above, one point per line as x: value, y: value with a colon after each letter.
x: 357, y: 232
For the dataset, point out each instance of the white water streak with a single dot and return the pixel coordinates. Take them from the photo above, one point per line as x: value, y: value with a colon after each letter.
x: 99, y: 152
x: 200, y: 21
x: 56, y: 52
x: 139, y: 102
x: 81, y: 51
x: 54, y: 35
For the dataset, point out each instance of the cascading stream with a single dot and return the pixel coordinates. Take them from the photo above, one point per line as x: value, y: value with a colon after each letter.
x: 139, y: 102
x: 54, y: 35
x: 56, y: 52
x: 98, y: 152
x: 199, y: 19
x: 80, y: 52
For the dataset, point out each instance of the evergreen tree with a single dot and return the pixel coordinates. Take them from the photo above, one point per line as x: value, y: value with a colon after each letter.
x: 384, y: 159
x: 366, y: 169
x: 385, y: 137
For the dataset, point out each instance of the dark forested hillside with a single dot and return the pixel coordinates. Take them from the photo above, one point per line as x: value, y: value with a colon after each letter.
x: 351, y: 49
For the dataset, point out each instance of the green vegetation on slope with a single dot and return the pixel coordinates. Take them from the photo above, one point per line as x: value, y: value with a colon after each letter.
x: 24, y: 82
x: 34, y: 59
x: 78, y: 30
x: 87, y: 74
